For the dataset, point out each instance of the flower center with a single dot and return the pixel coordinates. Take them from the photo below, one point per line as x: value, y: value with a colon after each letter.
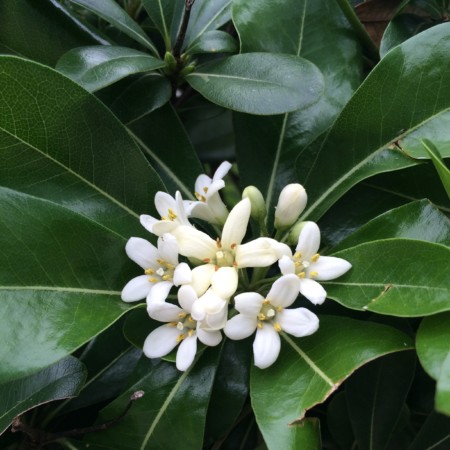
x: 302, y: 266
x: 267, y: 313
x: 163, y: 273
x: 170, y: 215
x: 224, y: 257
x: 200, y: 197
x: 186, y: 325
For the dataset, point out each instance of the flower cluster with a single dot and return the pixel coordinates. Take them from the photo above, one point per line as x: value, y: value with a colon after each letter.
x: 215, y: 292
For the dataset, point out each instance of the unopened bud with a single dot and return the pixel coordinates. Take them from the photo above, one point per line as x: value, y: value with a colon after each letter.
x: 187, y: 70
x: 171, y: 63
x: 291, y: 203
x: 258, y: 211
x: 294, y: 233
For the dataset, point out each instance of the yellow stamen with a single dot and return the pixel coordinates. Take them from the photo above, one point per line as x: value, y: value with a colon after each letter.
x: 266, y: 301
x: 233, y: 246
x: 313, y: 274
x: 161, y: 261
x: 301, y: 275
x: 190, y: 333
x: 170, y: 266
x: 191, y: 319
x: 172, y: 324
x: 279, y: 309
x: 163, y: 218
x: 182, y: 315
x: 197, y: 196
x: 297, y: 255
x: 297, y: 263
x: 153, y: 280
x: 166, y: 277
x: 172, y: 215
x: 259, y: 325
x: 315, y: 257
x: 277, y: 327
x: 261, y: 316
x: 205, y: 190
x: 180, y: 337
x: 149, y: 272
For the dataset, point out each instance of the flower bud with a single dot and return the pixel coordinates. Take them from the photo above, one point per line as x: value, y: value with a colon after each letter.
x: 291, y: 203
x: 294, y: 233
x: 258, y: 211
x: 171, y: 63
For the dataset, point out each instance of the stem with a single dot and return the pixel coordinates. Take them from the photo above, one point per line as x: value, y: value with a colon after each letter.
x: 182, y: 33
x: 358, y: 28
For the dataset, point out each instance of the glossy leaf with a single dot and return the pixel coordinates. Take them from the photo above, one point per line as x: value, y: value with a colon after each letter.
x: 171, y: 397
x: 96, y: 67
x: 60, y: 143
x: 41, y: 31
x: 110, y: 11
x: 319, y: 32
x: 61, y: 380
x: 433, y: 350
x: 360, y: 143
x: 310, y: 369
x: 61, y: 276
x: 400, y: 277
x: 338, y: 422
x: 259, y: 83
x: 434, y: 434
x: 213, y: 42
x: 416, y: 220
x: 376, y: 395
x: 439, y: 164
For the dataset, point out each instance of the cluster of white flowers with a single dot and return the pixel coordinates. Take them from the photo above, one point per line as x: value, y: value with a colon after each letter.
x: 212, y: 280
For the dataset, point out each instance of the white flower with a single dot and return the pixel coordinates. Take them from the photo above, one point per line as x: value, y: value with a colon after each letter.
x: 209, y: 206
x: 224, y: 256
x: 291, y: 203
x: 172, y: 212
x: 182, y: 329
x: 309, y: 266
x: 269, y: 317
x: 161, y: 269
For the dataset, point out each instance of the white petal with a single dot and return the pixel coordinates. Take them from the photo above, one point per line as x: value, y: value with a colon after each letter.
x: 162, y: 227
x: 181, y: 210
x: 225, y: 281
x: 210, y: 338
x: 136, y: 289
x: 312, y: 290
x: 147, y: 222
x: 201, y: 210
x: 186, y: 297
x: 202, y: 181
x: 161, y: 341
x: 291, y: 203
x: 249, y: 303
x: 194, y: 243
x: 236, y: 225
x: 284, y: 291
x: 168, y: 248
x: 141, y: 252
x: 330, y: 267
x: 308, y: 240
x: 201, y: 278
x: 286, y: 265
x: 208, y: 304
x: 240, y: 327
x: 164, y: 312
x: 182, y: 274
x: 213, y: 189
x: 186, y: 353
x: 266, y: 346
x: 164, y: 202
x: 216, y: 321
x: 159, y: 291
x: 222, y: 170
x: 261, y: 252
x: 298, y: 322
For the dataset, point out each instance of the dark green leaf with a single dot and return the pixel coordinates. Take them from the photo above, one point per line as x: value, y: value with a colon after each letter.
x: 259, y: 83
x: 309, y: 369
x: 213, y: 42
x: 63, y: 379
x: 338, y: 422
x: 171, y: 398
x: 434, y: 434
x: 361, y: 141
x: 318, y: 32
x: 416, y: 220
x: 60, y: 143
x: 110, y: 11
x: 433, y: 349
x: 439, y: 164
x: 376, y: 396
x: 41, y: 31
x: 400, y: 277
x: 96, y: 67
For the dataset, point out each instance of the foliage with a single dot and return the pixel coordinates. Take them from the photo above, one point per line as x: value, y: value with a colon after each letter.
x: 105, y: 103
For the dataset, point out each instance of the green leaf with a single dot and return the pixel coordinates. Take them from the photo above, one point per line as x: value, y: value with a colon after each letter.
x: 110, y: 11
x: 433, y: 350
x: 439, y: 164
x: 259, y: 83
x: 434, y: 434
x: 310, y: 369
x: 338, y: 421
x: 60, y: 143
x: 96, y: 67
x: 41, y: 31
x: 400, y: 277
x: 416, y: 220
x: 61, y: 380
x: 213, y: 42
x: 361, y: 141
x: 318, y: 32
x: 170, y: 398
x: 60, y: 281
x: 376, y: 396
